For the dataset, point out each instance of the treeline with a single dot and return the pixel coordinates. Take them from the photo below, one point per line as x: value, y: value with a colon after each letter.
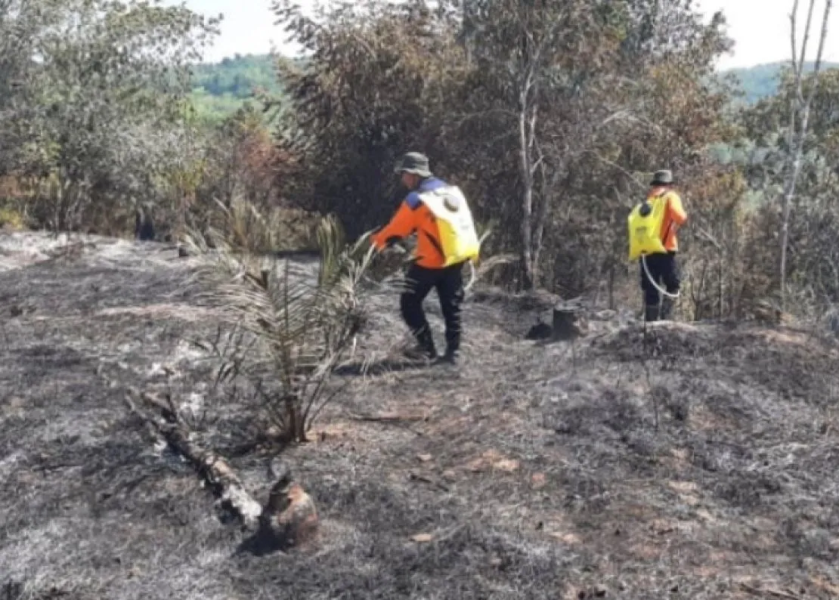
x: 551, y: 115
x: 762, y: 81
x: 232, y: 80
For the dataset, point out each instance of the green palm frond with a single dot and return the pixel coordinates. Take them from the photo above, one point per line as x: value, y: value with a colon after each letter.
x: 302, y: 324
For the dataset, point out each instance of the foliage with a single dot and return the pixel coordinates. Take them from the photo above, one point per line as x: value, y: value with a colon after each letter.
x: 212, y: 109
x: 814, y: 219
x: 220, y: 89
x: 235, y: 161
x: 103, y: 102
x: 266, y: 230
x: 11, y: 219
x: 19, y: 23
x: 238, y: 76
x: 545, y: 113
x: 377, y: 77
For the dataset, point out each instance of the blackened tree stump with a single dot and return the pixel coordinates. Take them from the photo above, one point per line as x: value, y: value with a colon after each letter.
x: 567, y: 322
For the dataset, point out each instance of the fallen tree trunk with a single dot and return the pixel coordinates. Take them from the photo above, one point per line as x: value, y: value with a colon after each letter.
x: 288, y: 519
x: 215, y: 471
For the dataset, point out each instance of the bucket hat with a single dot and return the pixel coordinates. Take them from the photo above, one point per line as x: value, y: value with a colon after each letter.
x: 663, y: 177
x: 414, y: 162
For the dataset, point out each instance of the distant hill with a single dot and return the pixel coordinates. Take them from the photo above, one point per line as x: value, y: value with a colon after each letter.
x: 238, y: 76
x: 221, y: 88
x: 761, y: 81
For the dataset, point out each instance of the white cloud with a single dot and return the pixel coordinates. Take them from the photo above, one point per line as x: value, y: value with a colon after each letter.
x: 248, y: 26
x: 761, y: 30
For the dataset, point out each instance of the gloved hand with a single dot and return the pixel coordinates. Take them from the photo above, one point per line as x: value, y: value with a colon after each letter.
x: 395, y: 244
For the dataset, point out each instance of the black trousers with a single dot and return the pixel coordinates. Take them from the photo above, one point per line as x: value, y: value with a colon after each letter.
x: 449, y: 285
x: 665, y: 273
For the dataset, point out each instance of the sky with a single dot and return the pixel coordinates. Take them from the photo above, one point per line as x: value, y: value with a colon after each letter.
x: 760, y: 28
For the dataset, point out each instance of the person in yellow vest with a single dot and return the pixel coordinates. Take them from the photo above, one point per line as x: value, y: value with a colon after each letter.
x: 441, y: 219
x: 662, y: 267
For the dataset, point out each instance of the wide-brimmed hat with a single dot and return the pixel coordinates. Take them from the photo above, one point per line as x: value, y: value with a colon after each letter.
x: 414, y: 162
x: 663, y: 177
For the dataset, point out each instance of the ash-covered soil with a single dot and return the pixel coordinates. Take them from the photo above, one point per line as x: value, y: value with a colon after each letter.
x: 698, y: 461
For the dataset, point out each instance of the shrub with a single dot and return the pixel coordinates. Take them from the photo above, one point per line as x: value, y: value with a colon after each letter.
x: 11, y: 219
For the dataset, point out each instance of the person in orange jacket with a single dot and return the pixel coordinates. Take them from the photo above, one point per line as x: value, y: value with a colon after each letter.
x: 429, y: 270
x: 662, y: 266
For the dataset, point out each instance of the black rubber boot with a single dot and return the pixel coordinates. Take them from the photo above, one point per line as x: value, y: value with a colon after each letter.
x: 651, y: 313
x: 425, y: 348
x: 666, y: 309
x: 451, y: 357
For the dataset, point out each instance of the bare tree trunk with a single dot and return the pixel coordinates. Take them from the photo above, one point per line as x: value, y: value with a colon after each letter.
x: 547, y: 187
x: 800, y: 112
x: 532, y: 227
x: 527, y: 210
x: 527, y: 133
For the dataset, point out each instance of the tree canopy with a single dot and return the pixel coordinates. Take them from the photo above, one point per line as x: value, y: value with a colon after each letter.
x: 551, y: 115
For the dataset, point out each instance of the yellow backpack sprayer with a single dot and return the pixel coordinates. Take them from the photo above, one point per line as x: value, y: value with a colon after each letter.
x: 645, y: 223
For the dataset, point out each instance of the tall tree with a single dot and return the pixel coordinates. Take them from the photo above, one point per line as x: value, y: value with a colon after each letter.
x: 373, y: 84
x: 813, y: 216
x: 20, y: 23
x: 799, y: 119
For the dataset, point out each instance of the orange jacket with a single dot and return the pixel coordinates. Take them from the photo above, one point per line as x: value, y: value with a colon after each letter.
x: 674, y: 217
x: 415, y: 217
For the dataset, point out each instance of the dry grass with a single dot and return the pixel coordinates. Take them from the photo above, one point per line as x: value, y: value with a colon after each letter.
x: 535, y: 471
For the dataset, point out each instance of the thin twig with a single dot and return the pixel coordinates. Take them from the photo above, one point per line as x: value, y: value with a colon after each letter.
x: 770, y: 592
x: 389, y: 418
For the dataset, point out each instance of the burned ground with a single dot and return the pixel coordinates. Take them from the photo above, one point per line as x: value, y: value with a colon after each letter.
x: 687, y: 461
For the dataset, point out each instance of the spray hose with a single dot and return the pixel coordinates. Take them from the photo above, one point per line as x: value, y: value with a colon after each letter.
x: 473, y: 278
x: 653, y: 282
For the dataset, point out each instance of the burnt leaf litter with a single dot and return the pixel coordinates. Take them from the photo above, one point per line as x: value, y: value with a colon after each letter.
x: 693, y: 460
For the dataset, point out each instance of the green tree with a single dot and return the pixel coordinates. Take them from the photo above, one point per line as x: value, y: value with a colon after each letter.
x: 20, y: 23
x: 106, y: 82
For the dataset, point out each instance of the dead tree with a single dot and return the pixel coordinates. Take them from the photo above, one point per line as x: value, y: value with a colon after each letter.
x: 799, y: 122
x: 289, y: 517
